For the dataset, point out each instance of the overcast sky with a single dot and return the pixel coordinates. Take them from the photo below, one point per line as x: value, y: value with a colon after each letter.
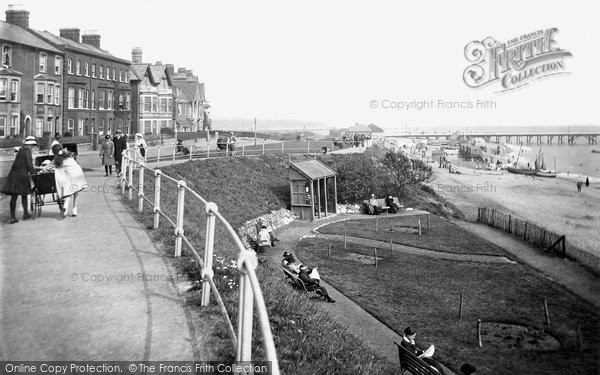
x: 327, y: 60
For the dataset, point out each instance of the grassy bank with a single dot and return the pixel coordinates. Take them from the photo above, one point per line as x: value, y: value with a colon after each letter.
x: 306, y: 340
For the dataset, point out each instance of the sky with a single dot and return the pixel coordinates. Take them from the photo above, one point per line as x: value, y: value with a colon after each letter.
x: 344, y: 62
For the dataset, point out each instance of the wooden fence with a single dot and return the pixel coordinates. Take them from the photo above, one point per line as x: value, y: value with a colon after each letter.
x: 533, y: 234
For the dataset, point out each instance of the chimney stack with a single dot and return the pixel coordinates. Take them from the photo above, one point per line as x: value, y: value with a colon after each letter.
x: 17, y: 15
x: 136, y: 55
x: 71, y: 33
x: 92, y: 38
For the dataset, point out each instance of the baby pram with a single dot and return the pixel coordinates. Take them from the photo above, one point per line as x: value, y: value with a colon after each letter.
x: 43, y: 183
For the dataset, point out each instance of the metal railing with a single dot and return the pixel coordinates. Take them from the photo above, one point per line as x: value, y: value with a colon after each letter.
x: 247, y: 261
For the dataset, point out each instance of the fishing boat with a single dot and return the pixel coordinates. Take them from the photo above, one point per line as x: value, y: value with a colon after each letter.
x: 519, y: 170
x: 540, y: 167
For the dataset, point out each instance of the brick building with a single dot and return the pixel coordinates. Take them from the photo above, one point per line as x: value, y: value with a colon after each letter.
x: 31, y: 79
x: 191, y: 106
x: 152, y: 95
x: 96, y: 89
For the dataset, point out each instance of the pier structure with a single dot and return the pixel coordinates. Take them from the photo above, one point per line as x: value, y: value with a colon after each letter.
x: 514, y: 138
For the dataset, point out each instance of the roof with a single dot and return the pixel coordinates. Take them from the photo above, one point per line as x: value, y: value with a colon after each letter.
x: 80, y: 47
x: 375, y: 128
x: 191, y: 91
x: 313, y: 169
x: 17, y: 34
x: 155, y: 72
x: 183, y: 121
x: 4, y: 71
x: 359, y: 128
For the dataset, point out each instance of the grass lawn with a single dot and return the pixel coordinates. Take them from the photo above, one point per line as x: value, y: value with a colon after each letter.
x: 424, y: 293
x: 307, y: 341
x: 402, y: 229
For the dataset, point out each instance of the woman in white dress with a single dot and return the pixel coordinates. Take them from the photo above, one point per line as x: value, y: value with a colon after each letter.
x: 140, y: 147
x: 69, y: 179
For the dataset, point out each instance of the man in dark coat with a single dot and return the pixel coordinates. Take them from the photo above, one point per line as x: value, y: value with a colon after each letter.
x: 18, y: 181
x: 313, y: 285
x: 120, y: 145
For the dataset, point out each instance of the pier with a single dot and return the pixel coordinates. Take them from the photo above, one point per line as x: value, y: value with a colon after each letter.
x: 515, y: 138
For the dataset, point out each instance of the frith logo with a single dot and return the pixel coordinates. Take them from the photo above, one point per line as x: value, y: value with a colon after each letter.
x: 515, y: 63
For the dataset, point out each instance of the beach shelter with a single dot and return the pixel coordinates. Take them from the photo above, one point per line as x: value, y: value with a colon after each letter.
x: 313, y: 189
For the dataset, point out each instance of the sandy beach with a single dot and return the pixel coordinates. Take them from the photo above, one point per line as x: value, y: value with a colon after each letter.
x: 551, y: 203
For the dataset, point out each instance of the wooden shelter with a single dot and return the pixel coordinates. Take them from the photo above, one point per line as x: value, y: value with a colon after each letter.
x: 313, y: 190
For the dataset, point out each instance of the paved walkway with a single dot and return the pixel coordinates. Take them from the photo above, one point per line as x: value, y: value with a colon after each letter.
x: 91, y: 287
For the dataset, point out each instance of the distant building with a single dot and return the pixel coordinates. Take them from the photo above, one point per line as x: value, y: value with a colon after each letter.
x: 376, y: 132
x: 360, y: 129
x: 31, y: 79
x: 152, y: 95
x: 96, y: 90
x: 190, y: 103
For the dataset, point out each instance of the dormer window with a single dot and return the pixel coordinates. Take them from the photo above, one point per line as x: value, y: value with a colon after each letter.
x: 43, y: 58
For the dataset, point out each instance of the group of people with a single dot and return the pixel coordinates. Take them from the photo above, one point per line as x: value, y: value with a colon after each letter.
x: 265, y: 237
x: 68, y: 176
x: 580, y: 184
x: 111, y: 152
x: 310, y: 277
x: 373, y: 207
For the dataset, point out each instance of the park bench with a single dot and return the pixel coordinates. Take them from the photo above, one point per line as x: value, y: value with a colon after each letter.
x: 412, y: 363
x: 296, y: 282
x: 381, y: 203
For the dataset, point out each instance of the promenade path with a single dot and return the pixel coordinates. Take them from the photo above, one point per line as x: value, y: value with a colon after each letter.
x: 91, y: 287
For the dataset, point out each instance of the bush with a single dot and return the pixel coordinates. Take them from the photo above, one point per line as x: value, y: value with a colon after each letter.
x: 167, y: 131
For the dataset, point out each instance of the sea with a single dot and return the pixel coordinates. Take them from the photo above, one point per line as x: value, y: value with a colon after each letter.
x: 575, y: 159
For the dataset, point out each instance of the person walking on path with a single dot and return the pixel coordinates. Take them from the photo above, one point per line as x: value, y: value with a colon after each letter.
x: 69, y: 180
x: 140, y: 147
x: 107, y: 155
x: 18, y: 181
x: 120, y: 144
x: 579, y: 184
x: 587, y: 182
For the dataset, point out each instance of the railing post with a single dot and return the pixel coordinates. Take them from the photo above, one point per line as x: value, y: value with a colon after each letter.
x: 243, y: 148
x: 209, y: 243
x: 246, y: 307
x: 191, y: 153
x: 141, y: 189
x: 124, y: 161
x: 263, y: 148
x: 282, y: 147
x: 130, y: 179
x: 158, y: 158
x: 308, y: 147
x: 156, y: 198
x: 174, y: 152
x: 208, y: 151
x: 179, y: 224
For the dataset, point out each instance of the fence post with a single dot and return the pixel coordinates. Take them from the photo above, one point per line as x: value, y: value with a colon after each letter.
x: 525, y: 233
x: 419, y: 226
x: 174, y: 153
x: 246, y: 306
x: 428, y: 222
x: 208, y: 151
x: 282, y: 147
x: 124, y: 161
x: 156, y: 198
x: 308, y: 147
x: 179, y: 224
x: 509, y: 223
x: 345, y: 241
x: 263, y: 148
x: 243, y: 148
x: 209, y: 243
x: 329, y: 251
x: 546, y: 312
x: 460, y: 306
x: 479, y: 332
x: 141, y: 189
x: 191, y: 148
x: 130, y: 179
x: 375, y: 255
x: 158, y: 157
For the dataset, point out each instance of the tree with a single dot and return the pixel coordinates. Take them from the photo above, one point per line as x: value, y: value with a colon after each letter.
x: 405, y: 171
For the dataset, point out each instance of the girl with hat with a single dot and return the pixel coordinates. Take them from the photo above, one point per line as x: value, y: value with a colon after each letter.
x: 69, y: 179
x: 107, y: 155
x: 141, y: 146
x: 18, y: 181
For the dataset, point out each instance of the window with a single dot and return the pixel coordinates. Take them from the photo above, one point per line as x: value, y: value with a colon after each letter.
x: 110, y: 96
x: 6, y: 55
x: 127, y: 101
x: 179, y: 108
x: 2, y: 126
x: 163, y: 124
x: 155, y: 105
x: 101, y: 75
x: 127, y: 76
x: 147, y: 126
x: 43, y: 58
x: 80, y: 98
x: 50, y: 93
x: 93, y: 103
x: 57, y: 96
x: 121, y: 100
x: 163, y: 104
x: 3, y: 88
x: 57, y: 65
x: 71, y: 94
x: 70, y: 66
x: 154, y: 125
x: 114, y: 74
x: 39, y: 126
x: 14, y: 125
x: 78, y: 68
x: 147, y: 104
x: 40, y: 93
x: 108, y: 73
x: 14, y: 90
x: 101, y: 100
x: 86, y: 69
x: 170, y: 105
x: 94, y: 70
x: 86, y: 98
x: 300, y: 193
x: 70, y: 125
x: 80, y: 127
x: 121, y: 76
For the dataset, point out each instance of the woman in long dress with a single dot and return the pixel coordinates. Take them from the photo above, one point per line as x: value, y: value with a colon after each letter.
x: 69, y: 179
x: 18, y: 181
x: 140, y: 147
x: 107, y: 154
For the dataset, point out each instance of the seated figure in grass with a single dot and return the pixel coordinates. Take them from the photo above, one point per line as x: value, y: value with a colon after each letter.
x: 290, y: 264
x: 264, y: 239
x: 312, y: 284
x: 408, y: 342
x: 374, y: 208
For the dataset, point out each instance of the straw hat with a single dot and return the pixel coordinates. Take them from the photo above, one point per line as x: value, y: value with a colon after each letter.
x: 30, y: 141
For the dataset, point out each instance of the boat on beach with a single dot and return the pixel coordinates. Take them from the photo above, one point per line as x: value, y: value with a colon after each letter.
x: 540, y: 167
x: 524, y: 171
x: 596, y: 151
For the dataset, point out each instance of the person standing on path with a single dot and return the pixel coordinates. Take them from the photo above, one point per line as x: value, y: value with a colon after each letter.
x: 140, y: 147
x: 107, y: 155
x: 69, y: 179
x: 587, y: 182
x: 120, y: 144
x: 18, y: 181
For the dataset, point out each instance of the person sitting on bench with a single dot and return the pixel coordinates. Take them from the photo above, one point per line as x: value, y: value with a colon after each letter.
x: 389, y: 201
x: 408, y: 342
x: 374, y: 208
x: 313, y: 285
x: 289, y: 263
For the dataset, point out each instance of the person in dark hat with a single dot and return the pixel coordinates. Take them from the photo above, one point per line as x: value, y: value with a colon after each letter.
x: 120, y: 145
x: 408, y: 342
x: 107, y: 155
x: 18, y: 181
x: 313, y: 285
x: 289, y: 263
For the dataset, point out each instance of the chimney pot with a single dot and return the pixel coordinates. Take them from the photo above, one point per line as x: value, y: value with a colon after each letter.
x: 136, y: 55
x: 71, y: 33
x: 92, y: 38
x: 17, y: 15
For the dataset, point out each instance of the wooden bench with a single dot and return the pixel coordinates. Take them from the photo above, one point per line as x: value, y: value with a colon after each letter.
x: 381, y: 203
x: 412, y: 363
